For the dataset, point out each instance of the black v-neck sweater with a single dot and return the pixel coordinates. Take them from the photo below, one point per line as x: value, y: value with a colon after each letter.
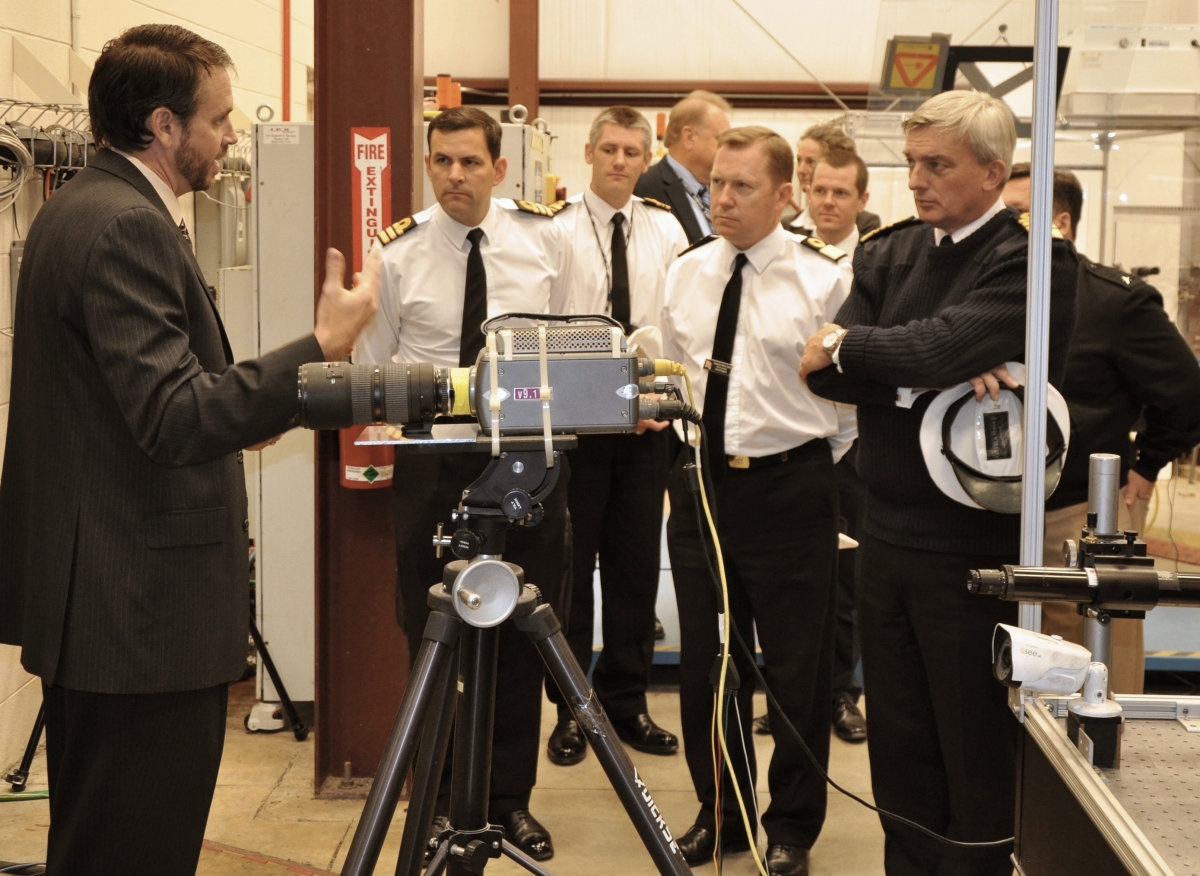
x: 926, y: 316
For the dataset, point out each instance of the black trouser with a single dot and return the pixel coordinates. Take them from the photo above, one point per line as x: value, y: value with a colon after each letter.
x: 943, y: 741
x: 845, y: 641
x: 778, y: 528
x: 426, y: 489
x: 616, y: 503
x: 131, y: 779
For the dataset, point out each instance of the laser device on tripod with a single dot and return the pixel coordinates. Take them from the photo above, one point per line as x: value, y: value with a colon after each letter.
x: 1108, y: 575
x: 530, y: 392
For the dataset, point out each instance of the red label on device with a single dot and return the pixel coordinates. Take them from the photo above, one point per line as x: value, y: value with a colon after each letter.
x: 371, y: 186
x: 527, y: 393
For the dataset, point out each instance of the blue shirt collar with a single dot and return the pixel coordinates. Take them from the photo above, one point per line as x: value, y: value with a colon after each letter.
x: 689, y: 180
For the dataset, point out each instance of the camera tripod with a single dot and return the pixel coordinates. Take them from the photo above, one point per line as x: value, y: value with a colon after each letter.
x: 480, y: 591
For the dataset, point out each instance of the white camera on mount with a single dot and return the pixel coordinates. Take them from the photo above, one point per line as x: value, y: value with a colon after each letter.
x: 1037, y: 663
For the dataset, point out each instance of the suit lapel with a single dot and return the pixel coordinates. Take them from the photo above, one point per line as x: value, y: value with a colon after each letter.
x: 118, y: 165
x: 681, y: 201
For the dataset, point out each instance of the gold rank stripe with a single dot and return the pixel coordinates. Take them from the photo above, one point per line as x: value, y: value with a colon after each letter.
x: 547, y: 210
x: 659, y: 204
x: 395, y: 230
x: 830, y: 252
x: 1023, y: 219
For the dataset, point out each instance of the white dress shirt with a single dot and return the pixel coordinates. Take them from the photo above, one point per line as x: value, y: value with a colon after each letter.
x: 693, y: 186
x: 422, y: 281
x: 971, y: 228
x: 169, y: 198
x: 848, y: 244
x: 653, y: 239
x: 788, y: 292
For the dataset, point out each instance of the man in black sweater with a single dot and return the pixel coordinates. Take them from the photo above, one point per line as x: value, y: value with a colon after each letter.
x: 937, y: 301
x: 1127, y: 362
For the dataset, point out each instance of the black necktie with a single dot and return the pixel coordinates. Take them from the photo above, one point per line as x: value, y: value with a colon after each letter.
x: 620, y: 272
x: 716, y: 394
x: 947, y: 240
x: 183, y: 230
x: 474, y: 303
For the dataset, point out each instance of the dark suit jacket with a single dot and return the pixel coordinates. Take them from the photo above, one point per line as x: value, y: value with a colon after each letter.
x: 123, y: 546
x: 663, y: 184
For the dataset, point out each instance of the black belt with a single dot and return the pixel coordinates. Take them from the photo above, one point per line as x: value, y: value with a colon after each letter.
x: 748, y: 462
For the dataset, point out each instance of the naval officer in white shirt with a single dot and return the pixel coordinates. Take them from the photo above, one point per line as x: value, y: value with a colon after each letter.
x: 622, y: 247
x: 446, y: 270
x: 738, y: 310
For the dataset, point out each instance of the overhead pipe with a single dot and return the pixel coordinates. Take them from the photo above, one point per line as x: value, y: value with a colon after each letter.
x: 287, y: 60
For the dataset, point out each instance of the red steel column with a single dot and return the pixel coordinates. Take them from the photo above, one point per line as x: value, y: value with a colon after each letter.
x: 369, y: 73
x: 523, y: 84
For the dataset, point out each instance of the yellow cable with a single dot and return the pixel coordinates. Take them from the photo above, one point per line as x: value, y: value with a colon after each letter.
x: 712, y: 528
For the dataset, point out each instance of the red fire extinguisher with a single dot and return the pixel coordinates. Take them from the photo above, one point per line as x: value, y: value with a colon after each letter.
x: 364, y: 466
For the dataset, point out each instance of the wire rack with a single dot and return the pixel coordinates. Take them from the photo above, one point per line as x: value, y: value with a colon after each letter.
x: 237, y: 159
x: 56, y: 137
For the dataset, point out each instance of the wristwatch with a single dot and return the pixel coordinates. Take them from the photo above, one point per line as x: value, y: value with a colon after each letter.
x: 832, y: 341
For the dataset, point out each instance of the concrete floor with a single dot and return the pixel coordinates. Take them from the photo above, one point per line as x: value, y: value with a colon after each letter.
x: 264, y: 818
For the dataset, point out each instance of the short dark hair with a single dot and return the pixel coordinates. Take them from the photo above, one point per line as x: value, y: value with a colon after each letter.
x: 840, y: 158
x: 1068, y: 193
x: 464, y: 118
x: 146, y: 67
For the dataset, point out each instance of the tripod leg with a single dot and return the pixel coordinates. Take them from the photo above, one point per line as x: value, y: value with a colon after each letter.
x: 523, y: 860
x: 473, y: 736
x: 298, y: 728
x: 19, y: 777
x: 441, y: 636
x: 427, y: 775
x: 545, y: 632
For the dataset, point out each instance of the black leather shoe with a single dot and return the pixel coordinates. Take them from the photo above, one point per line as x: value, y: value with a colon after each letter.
x: 526, y: 833
x: 698, y: 844
x: 440, y: 823
x: 644, y: 735
x: 659, y: 632
x: 762, y: 726
x: 783, y: 860
x: 848, y: 722
x: 567, y: 745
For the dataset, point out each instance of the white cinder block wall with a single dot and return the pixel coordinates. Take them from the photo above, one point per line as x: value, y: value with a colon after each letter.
x: 252, y: 32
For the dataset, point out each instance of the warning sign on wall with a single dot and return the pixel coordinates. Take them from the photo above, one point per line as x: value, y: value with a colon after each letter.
x: 914, y: 65
x: 371, y: 186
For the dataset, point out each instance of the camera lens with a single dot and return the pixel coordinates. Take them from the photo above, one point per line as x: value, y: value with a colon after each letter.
x: 335, y: 395
x: 1004, y: 663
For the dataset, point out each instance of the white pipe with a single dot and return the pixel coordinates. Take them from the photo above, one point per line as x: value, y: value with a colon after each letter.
x: 75, y: 45
x: 1037, y: 301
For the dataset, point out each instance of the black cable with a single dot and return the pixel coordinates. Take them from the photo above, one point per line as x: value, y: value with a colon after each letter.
x: 17, y: 235
x: 552, y: 317
x: 758, y: 676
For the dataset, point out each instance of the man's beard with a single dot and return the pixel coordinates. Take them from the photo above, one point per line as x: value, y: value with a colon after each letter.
x: 192, y: 166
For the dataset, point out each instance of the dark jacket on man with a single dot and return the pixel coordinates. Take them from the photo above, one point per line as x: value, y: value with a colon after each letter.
x: 1126, y: 361
x: 123, y: 499
x: 662, y: 183
x: 931, y: 316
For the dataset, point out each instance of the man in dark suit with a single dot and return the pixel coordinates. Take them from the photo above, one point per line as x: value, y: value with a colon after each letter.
x: 681, y: 177
x: 123, y: 499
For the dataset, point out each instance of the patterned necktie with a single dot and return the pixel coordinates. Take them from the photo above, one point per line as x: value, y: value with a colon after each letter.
x: 183, y: 230
x: 620, y: 272
x: 716, y: 394
x: 471, y: 339
x: 702, y: 194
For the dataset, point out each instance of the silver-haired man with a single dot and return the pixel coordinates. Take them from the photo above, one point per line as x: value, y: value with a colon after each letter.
x: 937, y: 300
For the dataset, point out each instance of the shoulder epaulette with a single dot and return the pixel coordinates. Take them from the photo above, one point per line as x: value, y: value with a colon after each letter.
x: 887, y: 229
x: 1113, y: 275
x: 830, y: 252
x: 1023, y: 221
x: 396, y: 229
x: 549, y: 211
x: 699, y: 243
x: 659, y: 204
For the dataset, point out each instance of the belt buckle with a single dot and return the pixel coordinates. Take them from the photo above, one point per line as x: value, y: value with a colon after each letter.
x: 739, y: 462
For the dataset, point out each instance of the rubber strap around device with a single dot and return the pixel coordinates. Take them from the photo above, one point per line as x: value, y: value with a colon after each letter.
x: 617, y: 337
x: 494, y: 401
x: 547, y: 394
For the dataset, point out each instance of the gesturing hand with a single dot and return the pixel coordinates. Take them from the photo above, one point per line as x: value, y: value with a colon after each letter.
x: 341, y: 312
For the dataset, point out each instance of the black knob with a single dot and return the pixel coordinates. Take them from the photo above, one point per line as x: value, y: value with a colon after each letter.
x: 516, y: 504
x: 465, y: 544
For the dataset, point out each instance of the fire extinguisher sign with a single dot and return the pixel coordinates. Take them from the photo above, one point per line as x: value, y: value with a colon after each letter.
x: 371, y: 184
